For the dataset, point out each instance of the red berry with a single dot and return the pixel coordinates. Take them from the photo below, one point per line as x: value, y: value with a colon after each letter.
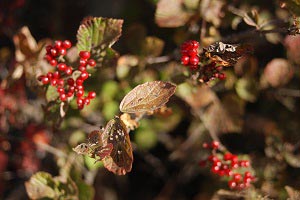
x: 237, y: 177
x: 215, y: 144
x: 234, y: 165
x: 72, y: 89
x: 62, y: 51
x: 92, y: 62
x: 222, y: 76
x: 53, y: 62
x: 69, y: 70
x: 45, y: 80
x: 195, y: 44
x: 60, y: 82
x: 79, y: 81
x: 79, y: 101
x: 227, y: 156
x: 185, y: 60
x: 60, y: 90
x: 92, y: 95
x: 81, y: 68
x: 56, y: 75
x: 82, y: 62
x: 234, y: 158
x: 70, y: 94
x: 232, y: 184
x: 80, y: 93
x: 53, y: 82
x: 213, y: 158
x: 80, y: 107
x: 222, y: 173
x: 244, y: 163
x: 40, y: 77
x: 48, y: 49
x: 228, y: 172
x: 48, y: 57
x: 70, y: 81
x: 50, y: 75
x: 57, y: 44
x: 193, y: 53
x: 84, y: 54
x: 63, y: 97
x: 67, y: 44
x: 205, y: 145
x: 215, y: 169
x: 194, y: 60
x: 53, y: 52
x: 84, y: 75
x: 62, y: 66
x: 79, y: 87
x: 217, y: 163
x: 248, y: 174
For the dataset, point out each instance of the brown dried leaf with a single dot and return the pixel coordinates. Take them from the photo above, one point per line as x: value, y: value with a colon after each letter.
x: 170, y: 14
x: 147, y: 97
x: 293, y: 194
x: 211, y: 11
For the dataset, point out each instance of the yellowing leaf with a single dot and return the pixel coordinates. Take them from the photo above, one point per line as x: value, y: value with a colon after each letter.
x: 147, y: 97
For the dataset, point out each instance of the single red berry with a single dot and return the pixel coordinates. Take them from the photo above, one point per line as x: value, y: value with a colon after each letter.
x: 80, y: 93
x: 60, y: 82
x: 79, y: 101
x: 241, y: 186
x: 222, y: 173
x: 237, y: 177
x: 234, y: 165
x: 227, y: 156
x: 217, y: 163
x: 86, y: 101
x: 48, y: 57
x: 194, y: 60
x: 215, y: 169
x: 69, y: 70
x: 67, y: 44
x: 232, y: 184
x: 205, y: 145
x: 79, y: 87
x: 92, y: 62
x: 234, y: 158
x: 56, y: 75
x: 224, y: 166
x: 80, y: 107
x: 79, y: 81
x: 84, y: 75
x: 57, y: 44
x: 215, y: 144
x: 48, y: 49
x: 53, y: 62
x: 40, y: 77
x: 63, y: 97
x: 70, y: 94
x: 82, y: 62
x: 84, y: 54
x: 193, y: 53
x: 92, y: 95
x: 62, y: 51
x: 72, y: 89
x: 60, y: 90
x: 53, y: 52
x: 54, y: 82
x: 185, y: 60
x: 82, y: 68
x: 248, y: 174
x: 222, y: 76
x: 195, y: 44
x: 50, y: 75
x: 247, y: 179
x: 61, y: 66
x: 70, y: 81
x: 45, y: 80
x: 228, y: 172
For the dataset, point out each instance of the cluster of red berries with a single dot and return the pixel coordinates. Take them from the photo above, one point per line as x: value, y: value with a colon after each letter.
x: 228, y: 165
x: 62, y: 78
x: 189, y: 54
x: 211, y: 71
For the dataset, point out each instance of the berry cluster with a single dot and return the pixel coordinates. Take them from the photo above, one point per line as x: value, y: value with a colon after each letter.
x: 211, y: 71
x: 189, y: 54
x: 228, y: 165
x: 63, y: 77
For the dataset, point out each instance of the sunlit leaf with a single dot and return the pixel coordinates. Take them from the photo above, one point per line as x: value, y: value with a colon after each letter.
x: 171, y: 14
x: 51, y: 93
x: 147, y: 97
x: 98, y: 32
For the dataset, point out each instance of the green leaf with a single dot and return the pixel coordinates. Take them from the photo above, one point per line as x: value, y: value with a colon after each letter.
x: 43, y: 185
x: 86, y: 192
x: 51, y: 93
x: 98, y: 33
